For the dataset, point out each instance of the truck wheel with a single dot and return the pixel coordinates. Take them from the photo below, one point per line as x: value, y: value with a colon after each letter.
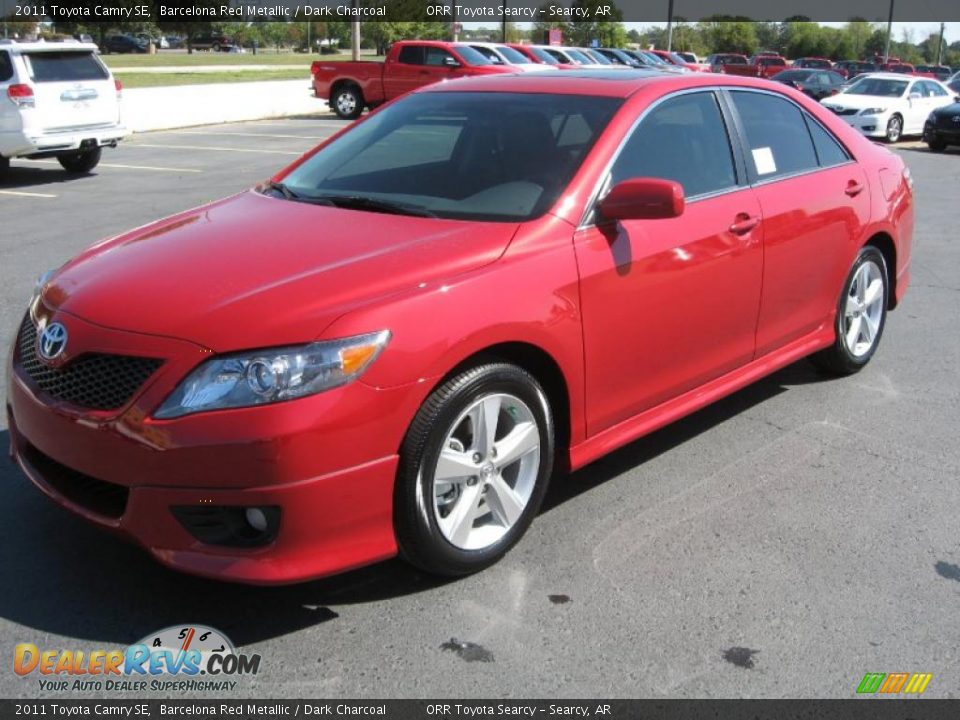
x: 348, y: 102
x: 80, y: 162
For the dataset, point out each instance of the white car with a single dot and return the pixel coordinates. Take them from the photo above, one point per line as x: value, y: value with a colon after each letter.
x: 572, y: 56
x: 889, y: 105
x: 503, y: 55
x: 57, y: 99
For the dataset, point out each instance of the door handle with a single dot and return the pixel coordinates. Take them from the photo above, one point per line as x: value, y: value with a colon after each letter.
x: 744, y: 224
x: 854, y: 188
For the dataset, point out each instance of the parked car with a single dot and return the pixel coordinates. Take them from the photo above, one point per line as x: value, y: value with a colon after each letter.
x: 673, y: 58
x: 765, y: 66
x: 901, y: 68
x: 571, y: 56
x: 352, y: 86
x: 815, y: 63
x: 619, y: 57
x: 940, y: 72
x: 719, y: 60
x: 505, y: 55
x: 942, y: 127
x: 215, y: 42
x: 851, y: 68
x: 536, y: 54
x: 123, y: 44
x: 889, y: 105
x: 487, y: 279
x: 58, y: 100
x: 818, y: 84
x: 653, y: 61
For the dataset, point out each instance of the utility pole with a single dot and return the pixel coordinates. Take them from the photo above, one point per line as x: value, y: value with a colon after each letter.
x: 503, y: 23
x: 940, y: 45
x: 355, y: 33
x: 669, y: 25
x: 886, y: 52
x: 453, y: 7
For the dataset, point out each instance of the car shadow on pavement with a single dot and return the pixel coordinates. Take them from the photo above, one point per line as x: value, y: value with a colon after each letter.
x: 65, y: 577
x: 17, y: 177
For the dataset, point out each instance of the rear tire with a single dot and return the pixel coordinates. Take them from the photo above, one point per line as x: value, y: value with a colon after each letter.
x: 861, y: 316
x: 474, y: 467
x: 347, y: 102
x: 80, y: 162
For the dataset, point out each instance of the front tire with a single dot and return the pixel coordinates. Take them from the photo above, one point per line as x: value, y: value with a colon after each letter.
x: 80, y: 162
x: 937, y: 145
x: 861, y: 315
x: 347, y: 102
x: 474, y: 467
x: 894, y: 129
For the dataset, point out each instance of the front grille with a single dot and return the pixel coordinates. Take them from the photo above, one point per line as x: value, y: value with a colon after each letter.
x: 845, y: 111
x: 946, y: 122
x: 97, y: 496
x: 95, y: 381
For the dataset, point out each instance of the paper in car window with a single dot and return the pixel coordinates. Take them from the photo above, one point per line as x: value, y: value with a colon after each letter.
x: 763, y: 161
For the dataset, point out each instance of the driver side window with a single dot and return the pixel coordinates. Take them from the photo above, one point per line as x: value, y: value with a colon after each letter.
x: 683, y: 139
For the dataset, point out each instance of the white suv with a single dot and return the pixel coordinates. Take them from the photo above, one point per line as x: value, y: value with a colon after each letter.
x: 57, y: 99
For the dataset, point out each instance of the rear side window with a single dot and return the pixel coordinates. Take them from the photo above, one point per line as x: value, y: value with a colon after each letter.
x: 829, y: 151
x: 64, y: 66
x: 682, y: 139
x: 411, y: 55
x: 777, y: 136
x: 6, y: 66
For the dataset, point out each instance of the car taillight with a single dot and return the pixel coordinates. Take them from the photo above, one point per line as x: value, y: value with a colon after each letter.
x: 119, y: 86
x: 22, y: 95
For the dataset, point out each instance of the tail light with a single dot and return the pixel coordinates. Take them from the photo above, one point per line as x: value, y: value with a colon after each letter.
x: 22, y: 95
x: 315, y: 68
x: 119, y: 86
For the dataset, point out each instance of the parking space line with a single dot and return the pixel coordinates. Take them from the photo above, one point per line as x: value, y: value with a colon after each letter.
x: 128, y: 167
x: 210, y: 147
x: 19, y: 193
x: 245, y: 134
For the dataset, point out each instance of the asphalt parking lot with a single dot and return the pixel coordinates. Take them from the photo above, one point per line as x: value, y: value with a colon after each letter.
x: 781, y: 543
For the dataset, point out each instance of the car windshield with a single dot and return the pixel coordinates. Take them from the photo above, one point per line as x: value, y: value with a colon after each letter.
x: 654, y: 58
x: 598, y: 56
x: 544, y: 56
x: 677, y: 59
x: 449, y: 155
x: 579, y: 57
x: 65, y: 66
x: 881, y: 87
x: 512, y: 56
x: 472, y: 56
x: 769, y: 61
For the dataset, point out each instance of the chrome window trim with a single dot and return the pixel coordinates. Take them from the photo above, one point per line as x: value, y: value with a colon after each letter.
x: 604, y: 179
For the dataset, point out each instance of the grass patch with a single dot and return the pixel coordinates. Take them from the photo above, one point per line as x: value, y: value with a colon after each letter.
x: 141, y: 80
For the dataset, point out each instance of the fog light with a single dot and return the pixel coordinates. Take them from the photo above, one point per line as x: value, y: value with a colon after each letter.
x: 256, y: 519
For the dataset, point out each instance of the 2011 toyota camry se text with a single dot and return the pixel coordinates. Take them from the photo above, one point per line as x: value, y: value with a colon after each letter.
x: 393, y: 344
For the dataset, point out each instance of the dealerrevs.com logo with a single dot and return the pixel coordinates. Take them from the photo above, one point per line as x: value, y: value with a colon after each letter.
x: 180, y: 658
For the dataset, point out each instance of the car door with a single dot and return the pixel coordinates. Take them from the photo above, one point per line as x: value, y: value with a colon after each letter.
x: 815, y: 203
x: 438, y: 65
x: 670, y: 304
x: 406, y: 73
x: 918, y: 107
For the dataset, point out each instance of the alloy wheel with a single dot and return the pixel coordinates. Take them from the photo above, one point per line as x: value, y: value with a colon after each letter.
x: 863, y: 311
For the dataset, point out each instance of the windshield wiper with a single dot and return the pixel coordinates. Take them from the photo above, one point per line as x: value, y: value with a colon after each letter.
x: 296, y: 197
x: 357, y: 202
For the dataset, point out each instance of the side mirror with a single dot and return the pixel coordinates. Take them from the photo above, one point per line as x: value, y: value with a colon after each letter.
x: 643, y: 199
x: 451, y: 62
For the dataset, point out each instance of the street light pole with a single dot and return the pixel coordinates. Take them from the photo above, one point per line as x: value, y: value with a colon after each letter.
x: 503, y: 23
x: 669, y: 25
x: 886, y: 52
x: 940, y: 45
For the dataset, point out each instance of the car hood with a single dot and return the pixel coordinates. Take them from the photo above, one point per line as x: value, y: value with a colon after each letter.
x: 861, y: 102
x: 255, y: 271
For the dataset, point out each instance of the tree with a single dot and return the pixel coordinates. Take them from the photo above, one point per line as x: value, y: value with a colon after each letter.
x: 725, y: 33
x: 858, y: 32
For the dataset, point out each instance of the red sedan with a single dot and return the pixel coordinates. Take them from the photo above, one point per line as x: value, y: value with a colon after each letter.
x: 393, y: 345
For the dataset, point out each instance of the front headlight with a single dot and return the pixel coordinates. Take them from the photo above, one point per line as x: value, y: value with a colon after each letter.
x: 873, y: 111
x: 273, y: 375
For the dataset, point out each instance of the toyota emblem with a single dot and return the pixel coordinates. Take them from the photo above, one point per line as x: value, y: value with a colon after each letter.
x: 53, y: 341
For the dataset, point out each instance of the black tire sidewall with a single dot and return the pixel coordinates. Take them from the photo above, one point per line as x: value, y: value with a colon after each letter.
x: 419, y: 536
x: 851, y: 362
x: 80, y: 162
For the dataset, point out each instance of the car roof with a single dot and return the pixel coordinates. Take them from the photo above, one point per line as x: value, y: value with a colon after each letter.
x: 40, y: 45
x: 892, y: 76
x: 620, y: 82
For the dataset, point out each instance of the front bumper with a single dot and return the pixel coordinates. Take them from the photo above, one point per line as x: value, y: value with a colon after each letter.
x: 933, y: 134
x: 327, y: 461
x: 868, y: 125
x: 35, y: 142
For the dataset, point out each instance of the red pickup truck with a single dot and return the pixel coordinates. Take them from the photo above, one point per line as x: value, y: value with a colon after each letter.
x: 764, y: 66
x: 352, y: 86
